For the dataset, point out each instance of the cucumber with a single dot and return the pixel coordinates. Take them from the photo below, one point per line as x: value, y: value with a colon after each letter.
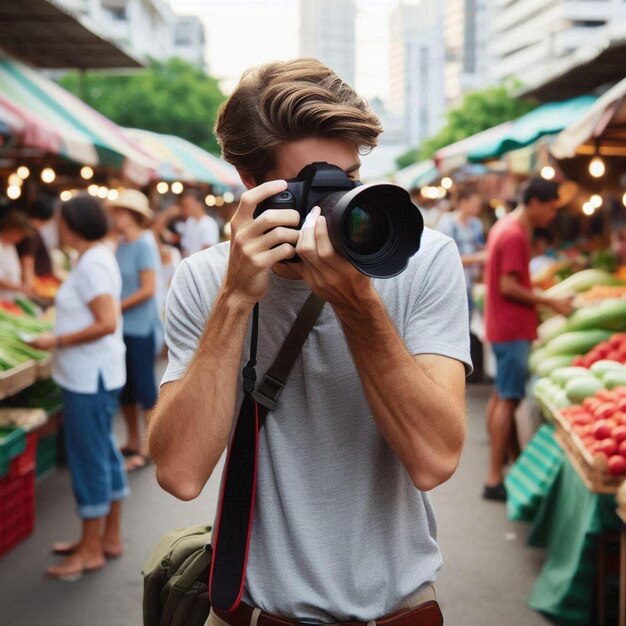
x: 600, y: 368
x: 607, y: 315
x: 581, y: 281
x: 563, y: 375
x: 535, y: 358
x: 551, y: 363
x: 615, y: 378
x: 578, y: 342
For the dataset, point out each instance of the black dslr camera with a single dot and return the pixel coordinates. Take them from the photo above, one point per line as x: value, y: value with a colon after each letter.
x: 376, y: 227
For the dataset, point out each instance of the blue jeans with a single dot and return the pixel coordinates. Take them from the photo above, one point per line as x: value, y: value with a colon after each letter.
x: 96, y: 465
x: 140, y: 387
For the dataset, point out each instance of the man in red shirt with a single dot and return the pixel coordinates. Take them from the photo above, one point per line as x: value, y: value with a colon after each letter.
x: 511, y: 316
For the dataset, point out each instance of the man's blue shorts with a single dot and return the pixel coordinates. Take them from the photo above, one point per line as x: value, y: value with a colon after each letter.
x: 511, y: 368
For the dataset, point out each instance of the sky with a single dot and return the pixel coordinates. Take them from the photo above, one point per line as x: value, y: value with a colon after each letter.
x: 243, y: 33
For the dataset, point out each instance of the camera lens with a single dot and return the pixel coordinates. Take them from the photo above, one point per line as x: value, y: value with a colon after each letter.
x: 365, y: 230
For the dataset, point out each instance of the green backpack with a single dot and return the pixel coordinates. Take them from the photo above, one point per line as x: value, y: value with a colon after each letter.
x: 176, y: 579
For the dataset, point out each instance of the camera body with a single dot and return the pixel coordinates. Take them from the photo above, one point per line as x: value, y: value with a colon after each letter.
x: 312, y: 184
x: 376, y: 227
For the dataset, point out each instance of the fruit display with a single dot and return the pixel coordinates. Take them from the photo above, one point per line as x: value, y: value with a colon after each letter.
x: 600, y: 292
x: 46, y: 286
x: 582, y: 281
x: 13, y: 330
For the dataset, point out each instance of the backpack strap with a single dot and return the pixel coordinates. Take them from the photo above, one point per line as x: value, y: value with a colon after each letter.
x: 233, y: 528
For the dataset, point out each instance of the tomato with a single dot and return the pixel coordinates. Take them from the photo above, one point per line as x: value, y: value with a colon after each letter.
x: 589, y: 441
x: 608, y: 446
x: 591, y: 403
x: 602, y: 430
x: 604, y: 411
x: 619, y: 433
x: 606, y: 396
x: 614, y: 355
x: 622, y: 448
x: 578, y: 361
x: 617, y: 465
x: 585, y: 429
x: 602, y: 352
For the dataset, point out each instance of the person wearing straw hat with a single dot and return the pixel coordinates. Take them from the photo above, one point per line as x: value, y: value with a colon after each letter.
x: 137, y: 257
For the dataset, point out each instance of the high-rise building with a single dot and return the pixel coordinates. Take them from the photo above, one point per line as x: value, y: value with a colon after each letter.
x: 417, y: 90
x: 146, y: 28
x: 466, y: 32
x: 190, y: 40
x: 328, y: 33
x: 532, y: 38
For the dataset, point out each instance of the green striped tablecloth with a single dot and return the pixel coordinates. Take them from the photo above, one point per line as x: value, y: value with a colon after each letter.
x: 531, y: 477
x: 566, y: 519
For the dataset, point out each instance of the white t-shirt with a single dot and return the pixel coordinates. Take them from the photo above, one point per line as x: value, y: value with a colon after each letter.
x: 199, y: 234
x: 78, y: 368
x: 10, y: 269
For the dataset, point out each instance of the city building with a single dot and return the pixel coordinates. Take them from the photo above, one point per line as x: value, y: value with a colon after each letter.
x: 190, y: 40
x: 533, y: 38
x: 416, y: 73
x: 148, y: 28
x: 466, y: 33
x: 328, y: 33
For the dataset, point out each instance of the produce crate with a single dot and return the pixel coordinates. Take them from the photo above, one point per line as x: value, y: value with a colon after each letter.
x: 47, y: 453
x: 27, y: 419
x: 594, y: 475
x: 44, y: 368
x: 12, y: 444
x: 17, y: 498
x: 14, y: 380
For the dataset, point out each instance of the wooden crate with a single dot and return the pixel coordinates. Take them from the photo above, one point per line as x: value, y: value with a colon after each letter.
x: 44, y: 368
x: 597, y: 479
x: 15, y: 380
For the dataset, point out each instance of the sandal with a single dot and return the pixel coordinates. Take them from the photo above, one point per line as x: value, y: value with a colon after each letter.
x: 137, y: 462
x: 68, y: 548
x: 495, y: 492
x: 128, y: 452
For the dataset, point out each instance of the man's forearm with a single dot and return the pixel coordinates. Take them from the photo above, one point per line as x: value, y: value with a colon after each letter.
x: 191, y: 423
x: 515, y: 291
x: 421, y: 420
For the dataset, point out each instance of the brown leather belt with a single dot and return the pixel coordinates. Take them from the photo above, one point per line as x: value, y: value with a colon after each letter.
x: 425, y: 614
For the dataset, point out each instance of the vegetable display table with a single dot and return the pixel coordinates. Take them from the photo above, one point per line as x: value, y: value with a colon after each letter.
x: 567, y: 519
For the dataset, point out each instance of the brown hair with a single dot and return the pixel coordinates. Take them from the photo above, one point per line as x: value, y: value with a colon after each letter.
x: 15, y: 220
x: 286, y: 101
x: 466, y: 193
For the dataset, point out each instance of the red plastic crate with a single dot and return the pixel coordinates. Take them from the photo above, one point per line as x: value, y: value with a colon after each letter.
x: 17, y: 498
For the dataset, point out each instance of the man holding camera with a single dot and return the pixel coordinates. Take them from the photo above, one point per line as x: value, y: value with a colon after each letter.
x: 372, y: 416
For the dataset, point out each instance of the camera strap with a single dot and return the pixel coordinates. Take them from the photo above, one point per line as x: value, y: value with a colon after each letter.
x: 231, y: 537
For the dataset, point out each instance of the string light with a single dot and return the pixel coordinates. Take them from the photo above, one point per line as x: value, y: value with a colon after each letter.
x: 65, y: 195
x: 548, y: 172
x: 219, y: 201
x: 102, y: 192
x: 92, y: 190
x: 113, y: 195
x: 210, y: 200
x: 229, y: 197
x: 624, y: 199
x: 162, y: 187
x: 597, y: 167
x: 14, y: 192
x: 15, y: 181
x: 177, y: 187
x: 86, y: 172
x: 588, y: 208
x: 596, y: 201
x: 446, y: 182
x: 48, y: 175
x: 23, y: 172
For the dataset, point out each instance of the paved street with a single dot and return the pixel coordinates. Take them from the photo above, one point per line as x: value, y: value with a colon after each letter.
x: 486, y: 579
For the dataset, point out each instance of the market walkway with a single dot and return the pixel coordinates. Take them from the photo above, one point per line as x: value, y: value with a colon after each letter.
x: 486, y: 580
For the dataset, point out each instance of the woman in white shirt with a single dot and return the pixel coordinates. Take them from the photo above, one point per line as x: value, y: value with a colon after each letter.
x: 89, y: 366
x: 14, y: 227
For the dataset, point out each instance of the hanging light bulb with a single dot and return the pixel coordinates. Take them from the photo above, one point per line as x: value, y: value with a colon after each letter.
x: 66, y: 195
x: 102, y: 192
x: 229, y: 197
x: 446, y: 182
x: 48, y: 175
x: 177, y: 187
x: 210, y: 200
x: 92, y: 190
x: 113, y: 195
x: 624, y: 199
x: 14, y: 192
x: 15, y: 180
x: 548, y: 172
x: 588, y: 208
x: 596, y: 201
x: 86, y: 172
x: 162, y: 187
x: 597, y: 167
x: 23, y: 172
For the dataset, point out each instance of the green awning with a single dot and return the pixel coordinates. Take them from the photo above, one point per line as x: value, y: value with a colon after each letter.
x: 548, y: 119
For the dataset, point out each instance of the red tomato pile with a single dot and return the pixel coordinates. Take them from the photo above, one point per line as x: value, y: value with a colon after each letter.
x: 601, y: 425
x: 613, y: 349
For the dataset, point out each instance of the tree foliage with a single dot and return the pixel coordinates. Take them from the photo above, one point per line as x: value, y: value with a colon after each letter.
x: 478, y: 111
x: 171, y: 97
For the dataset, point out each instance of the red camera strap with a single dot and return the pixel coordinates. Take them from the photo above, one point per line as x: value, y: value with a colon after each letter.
x: 233, y: 528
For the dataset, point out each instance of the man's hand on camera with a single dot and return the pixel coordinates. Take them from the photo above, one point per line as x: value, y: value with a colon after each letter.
x: 326, y: 272
x: 258, y: 244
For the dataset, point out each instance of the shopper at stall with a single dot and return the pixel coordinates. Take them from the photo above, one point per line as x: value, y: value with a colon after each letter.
x: 372, y: 416
x: 199, y: 231
x: 33, y: 250
x: 511, y: 318
x: 89, y: 367
x: 464, y: 226
x: 137, y: 255
x: 14, y: 228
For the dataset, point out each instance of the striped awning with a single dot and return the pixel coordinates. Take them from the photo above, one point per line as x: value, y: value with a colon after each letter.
x: 182, y: 160
x: 44, y: 116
